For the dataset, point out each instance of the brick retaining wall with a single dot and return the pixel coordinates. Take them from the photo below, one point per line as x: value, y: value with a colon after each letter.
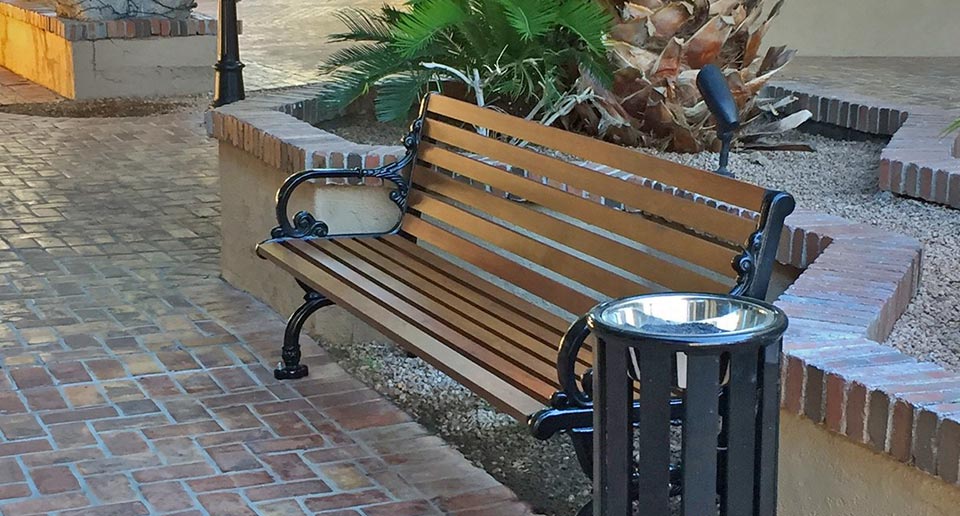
x: 918, y: 162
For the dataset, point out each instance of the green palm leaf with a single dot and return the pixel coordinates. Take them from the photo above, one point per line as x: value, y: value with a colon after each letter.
x: 362, y: 25
x: 530, y: 18
x: 588, y: 20
x: 397, y: 94
x: 415, y: 30
x: 352, y: 56
x: 955, y: 126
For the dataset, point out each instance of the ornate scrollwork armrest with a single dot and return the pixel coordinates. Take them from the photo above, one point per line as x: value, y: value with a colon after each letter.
x: 572, y: 393
x: 305, y: 225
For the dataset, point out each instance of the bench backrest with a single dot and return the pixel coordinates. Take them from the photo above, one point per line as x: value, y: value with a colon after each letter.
x: 617, y: 239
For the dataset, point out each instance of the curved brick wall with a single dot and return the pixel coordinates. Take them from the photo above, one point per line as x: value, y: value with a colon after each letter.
x: 918, y: 162
x: 856, y: 281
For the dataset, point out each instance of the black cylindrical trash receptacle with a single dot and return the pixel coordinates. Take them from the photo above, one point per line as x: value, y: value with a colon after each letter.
x: 720, y: 355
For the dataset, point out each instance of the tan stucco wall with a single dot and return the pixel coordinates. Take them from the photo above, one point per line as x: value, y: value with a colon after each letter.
x: 146, y: 67
x: 108, y: 67
x: 248, y: 189
x: 868, y: 27
x: 41, y: 56
x: 824, y: 474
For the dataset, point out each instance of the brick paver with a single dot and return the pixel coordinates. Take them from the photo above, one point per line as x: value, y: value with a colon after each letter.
x: 17, y: 90
x: 135, y: 381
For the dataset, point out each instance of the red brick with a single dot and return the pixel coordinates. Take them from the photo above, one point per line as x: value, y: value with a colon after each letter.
x: 412, y: 508
x: 10, y: 403
x: 69, y: 372
x: 953, y: 195
x: 856, y: 411
x: 901, y: 433
x: 233, y: 457
x: 167, y: 496
x: 46, y: 398
x: 159, y: 386
x: 47, y: 504
x: 111, y: 488
x: 948, y: 452
x: 124, y: 443
x: 288, y: 466
x: 31, y: 377
x: 9, y: 491
x: 175, y: 472
x: 115, y: 509
x: 877, y: 420
x: 54, y: 479
x: 23, y: 447
x: 343, y: 500
x: 201, y: 427
x: 225, y: 504
x: 287, y: 490
x: 231, y: 481
x: 793, y: 385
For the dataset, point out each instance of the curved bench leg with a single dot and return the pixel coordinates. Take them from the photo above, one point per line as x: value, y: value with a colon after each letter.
x: 291, y: 368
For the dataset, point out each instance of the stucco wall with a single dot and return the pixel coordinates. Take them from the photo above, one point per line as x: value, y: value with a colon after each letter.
x: 130, y: 67
x: 868, y: 27
x: 41, y: 56
x: 824, y: 474
x: 248, y: 190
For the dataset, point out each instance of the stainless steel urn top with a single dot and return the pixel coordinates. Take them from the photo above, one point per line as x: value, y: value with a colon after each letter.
x: 696, y: 316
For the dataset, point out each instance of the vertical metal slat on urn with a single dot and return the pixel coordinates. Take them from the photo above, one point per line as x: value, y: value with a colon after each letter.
x: 699, y: 454
x: 740, y: 419
x: 768, y: 430
x: 654, y: 431
x: 613, y: 398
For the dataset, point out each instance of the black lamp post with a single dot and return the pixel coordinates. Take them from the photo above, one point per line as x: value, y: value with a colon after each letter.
x: 229, y: 76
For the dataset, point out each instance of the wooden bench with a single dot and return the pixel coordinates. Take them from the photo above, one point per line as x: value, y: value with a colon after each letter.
x: 484, y: 285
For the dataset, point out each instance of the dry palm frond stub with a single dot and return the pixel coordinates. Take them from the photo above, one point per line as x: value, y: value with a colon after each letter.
x: 658, y: 47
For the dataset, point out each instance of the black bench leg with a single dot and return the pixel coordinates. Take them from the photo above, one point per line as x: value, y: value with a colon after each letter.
x: 291, y: 368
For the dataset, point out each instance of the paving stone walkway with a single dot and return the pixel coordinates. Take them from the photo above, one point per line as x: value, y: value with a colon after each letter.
x: 17, y: 90
x: 135, y: 381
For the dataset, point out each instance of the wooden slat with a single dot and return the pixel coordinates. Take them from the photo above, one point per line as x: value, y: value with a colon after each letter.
x: 477, y: 377
x: 613, y: 252
x: 537, y: 284
x: 665, y: 239
x: 699, y: 216
x: 712, y: 185
x: 526, y: 351
x: 470, y: 281
x: 436, y: 323
x: 567, y: 265
x: 440, y: 286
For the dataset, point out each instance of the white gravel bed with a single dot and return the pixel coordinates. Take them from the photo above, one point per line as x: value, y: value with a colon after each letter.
x: 840, y: 178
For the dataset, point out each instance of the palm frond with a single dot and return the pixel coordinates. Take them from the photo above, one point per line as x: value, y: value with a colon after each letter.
x: 398, y: 93
x: 530, y: 18
x: 955, y: 126
x: 415, y: 30
x: 588, y: 20
x: 362, y: 25
x: 352, y: 56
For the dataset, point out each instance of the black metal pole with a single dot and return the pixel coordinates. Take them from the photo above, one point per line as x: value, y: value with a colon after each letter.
x: 229, y: 69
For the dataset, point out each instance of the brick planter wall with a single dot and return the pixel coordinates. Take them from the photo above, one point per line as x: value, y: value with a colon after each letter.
x: 856, y: 282
x: 918, y: 161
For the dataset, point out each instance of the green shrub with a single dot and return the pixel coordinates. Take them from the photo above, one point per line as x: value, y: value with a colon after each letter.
x: 521, y: 54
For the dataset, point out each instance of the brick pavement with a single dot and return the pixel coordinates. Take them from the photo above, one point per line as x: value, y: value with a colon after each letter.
x: 17, y: 90
x: 134, y: 381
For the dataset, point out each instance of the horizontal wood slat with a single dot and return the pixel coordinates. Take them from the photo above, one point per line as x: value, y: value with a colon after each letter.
x: 437, y: 352
x: 665, y: 239
x: 567, y: 265
x: 537, y: 284
x: 632, y: 260
x: 718, y: 187
x: 534, y: 355
x: 694, y: 215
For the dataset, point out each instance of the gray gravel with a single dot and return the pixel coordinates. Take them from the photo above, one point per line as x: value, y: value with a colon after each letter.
x: 840, y: 178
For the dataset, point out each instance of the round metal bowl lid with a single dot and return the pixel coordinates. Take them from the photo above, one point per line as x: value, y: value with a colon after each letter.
x: 693, y: 315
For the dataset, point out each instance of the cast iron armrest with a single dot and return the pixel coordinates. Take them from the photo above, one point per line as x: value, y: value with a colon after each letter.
x: 305, y: 225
